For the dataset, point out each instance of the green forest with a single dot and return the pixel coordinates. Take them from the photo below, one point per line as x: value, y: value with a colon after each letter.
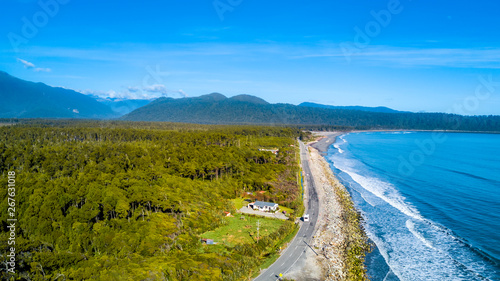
x: 110, y: 200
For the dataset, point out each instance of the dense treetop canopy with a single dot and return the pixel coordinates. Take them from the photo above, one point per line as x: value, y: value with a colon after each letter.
x: 109, y: 200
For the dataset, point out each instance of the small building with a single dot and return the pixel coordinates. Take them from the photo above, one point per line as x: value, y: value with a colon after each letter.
x: 263, y: 206
x: 273, y: 151
x: 208, y: 241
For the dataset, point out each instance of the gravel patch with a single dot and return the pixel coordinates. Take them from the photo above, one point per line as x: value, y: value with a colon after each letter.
x: 277, y: 215
x: 325, y: 141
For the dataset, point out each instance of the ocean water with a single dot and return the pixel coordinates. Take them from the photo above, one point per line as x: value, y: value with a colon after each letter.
x: 430, y: 202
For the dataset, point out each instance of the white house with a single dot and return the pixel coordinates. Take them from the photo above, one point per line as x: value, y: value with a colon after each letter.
x: 263, y: 206
x: 274, y: 150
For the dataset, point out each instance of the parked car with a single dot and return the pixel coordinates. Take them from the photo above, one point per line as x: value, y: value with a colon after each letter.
x: 306, y: 217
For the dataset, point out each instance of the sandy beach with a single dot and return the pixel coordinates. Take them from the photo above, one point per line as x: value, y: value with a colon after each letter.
x: 324, y: 141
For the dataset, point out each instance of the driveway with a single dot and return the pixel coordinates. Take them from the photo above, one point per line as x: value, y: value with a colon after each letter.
x: 277, y: 215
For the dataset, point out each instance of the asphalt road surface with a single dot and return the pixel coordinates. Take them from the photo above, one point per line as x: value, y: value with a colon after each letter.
x: 295, y: 254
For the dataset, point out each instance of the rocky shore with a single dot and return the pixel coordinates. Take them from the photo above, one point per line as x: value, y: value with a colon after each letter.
x: 339, y: 242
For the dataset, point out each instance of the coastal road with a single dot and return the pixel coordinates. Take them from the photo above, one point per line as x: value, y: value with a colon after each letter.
x: 295, y: 254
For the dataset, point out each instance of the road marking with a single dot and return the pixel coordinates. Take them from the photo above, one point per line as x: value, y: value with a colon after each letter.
x: 294, y: 262
x: 302, y: 230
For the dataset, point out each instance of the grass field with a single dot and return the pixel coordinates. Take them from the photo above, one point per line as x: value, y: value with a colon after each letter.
x: 239, y: 202
x: 288, y: 210
x: 238, y: 230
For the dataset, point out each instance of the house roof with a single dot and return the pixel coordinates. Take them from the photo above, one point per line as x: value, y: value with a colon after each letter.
x: 263, y: 204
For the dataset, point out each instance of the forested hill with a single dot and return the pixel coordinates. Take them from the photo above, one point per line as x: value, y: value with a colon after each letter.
x: 217, y: 109
x: 382, y: 109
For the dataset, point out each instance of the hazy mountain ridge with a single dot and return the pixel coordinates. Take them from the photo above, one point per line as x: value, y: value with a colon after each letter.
x: 25, y: 99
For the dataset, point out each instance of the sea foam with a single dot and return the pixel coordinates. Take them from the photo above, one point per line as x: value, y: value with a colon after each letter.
x: 414, y: 247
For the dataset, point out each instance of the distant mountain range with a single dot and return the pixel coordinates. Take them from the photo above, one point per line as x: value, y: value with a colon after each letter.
x: 25, y: 99
x: 218, y: 109
x: 381, y: 109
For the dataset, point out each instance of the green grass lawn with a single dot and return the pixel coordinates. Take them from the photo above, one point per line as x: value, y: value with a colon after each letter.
x: 288, y: 210
x: 238, y: 231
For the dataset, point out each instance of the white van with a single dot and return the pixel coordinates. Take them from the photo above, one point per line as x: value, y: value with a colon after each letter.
x: 306, y: 217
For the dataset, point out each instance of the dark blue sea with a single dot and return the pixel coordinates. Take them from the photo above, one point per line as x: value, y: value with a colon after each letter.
x: 430, y: 202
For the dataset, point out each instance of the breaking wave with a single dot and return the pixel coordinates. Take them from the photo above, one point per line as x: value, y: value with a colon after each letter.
x: 413, y: 246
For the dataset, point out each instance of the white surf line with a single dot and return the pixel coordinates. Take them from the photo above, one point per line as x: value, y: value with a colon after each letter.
x: 411, y: 227
x: 387, y: 275
x: 366, y: 200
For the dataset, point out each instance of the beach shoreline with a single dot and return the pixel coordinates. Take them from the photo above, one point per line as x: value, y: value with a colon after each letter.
x: 384, y: 264
x: 338, y: 222
x: 325, y: 140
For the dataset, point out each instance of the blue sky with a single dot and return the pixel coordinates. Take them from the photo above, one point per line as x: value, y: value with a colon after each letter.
x: 439, y: 56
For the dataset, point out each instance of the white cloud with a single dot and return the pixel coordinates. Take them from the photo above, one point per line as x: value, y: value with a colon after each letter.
x: 383, y: 55
x: 136, y: 93
x: 133, y: 89
x: 112, y: 94
x: 30, y: 65
x: 132, y: 92
x: 160, y: 90
x: 410, y: 57
x: 39, y: 69
x: 180, y: 91
x: 157, y: 88
x: 26, y: 64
